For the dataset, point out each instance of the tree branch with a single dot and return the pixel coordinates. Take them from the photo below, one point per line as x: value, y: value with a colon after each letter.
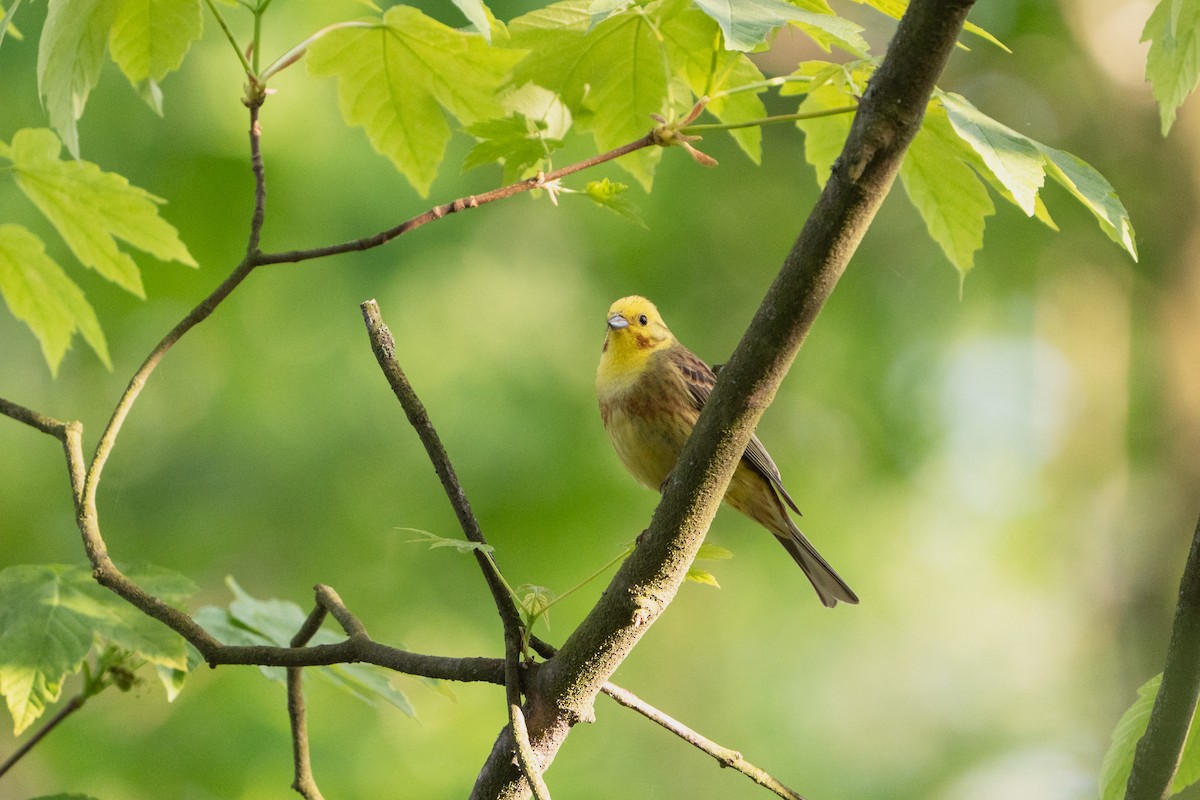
x: 1158, y: 753
x: 724, y: 756
x: 384, y: 347
x: 460, y: 204
x: 304, y: 782
x: 73, y: 705
x: 889, y: 116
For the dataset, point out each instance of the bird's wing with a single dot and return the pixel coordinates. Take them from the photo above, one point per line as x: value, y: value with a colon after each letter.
x: 700, y: 380
x: 696, y: 374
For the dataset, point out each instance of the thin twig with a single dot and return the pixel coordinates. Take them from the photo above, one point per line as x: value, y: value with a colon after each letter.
x: 260, y: 179
x: 331, y: 600
x: 1156, y: 759
x: 724, y: 756
x: 454, y: 206
x: 197, y: 315
x: 516, y: 719
x: 33, y: 419
x: 73, y: 705
x: 304, y: 782
x: 384, y: 347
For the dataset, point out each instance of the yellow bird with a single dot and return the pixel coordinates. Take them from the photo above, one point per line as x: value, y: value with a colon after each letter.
x: 651, y: 389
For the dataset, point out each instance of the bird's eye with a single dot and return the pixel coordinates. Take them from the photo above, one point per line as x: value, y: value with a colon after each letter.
x: 642, y: 319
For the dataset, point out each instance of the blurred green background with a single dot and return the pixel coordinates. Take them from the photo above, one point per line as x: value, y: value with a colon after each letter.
x: 1008, y: 478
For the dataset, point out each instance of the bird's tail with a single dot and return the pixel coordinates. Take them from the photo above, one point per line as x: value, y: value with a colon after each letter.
x: 829, y: 585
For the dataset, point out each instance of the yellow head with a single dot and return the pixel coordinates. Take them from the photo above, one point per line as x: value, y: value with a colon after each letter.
x: 635, y: 332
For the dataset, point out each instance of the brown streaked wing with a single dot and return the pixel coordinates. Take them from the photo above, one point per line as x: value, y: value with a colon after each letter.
x: 696, y: 374
x: 700, y: 380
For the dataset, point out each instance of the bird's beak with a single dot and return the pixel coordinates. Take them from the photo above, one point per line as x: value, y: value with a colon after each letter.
x: 616, y: 322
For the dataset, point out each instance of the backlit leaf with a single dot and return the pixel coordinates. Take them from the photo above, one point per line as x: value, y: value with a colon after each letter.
x: 39, y: 293
x: 91, y: 209
x: 950, y: 197
x: 612, y: 77
x: 1173, y: 63
x: 51, y: 616
x: 1010, y: 156
x: 748, y: 23
x: 150, y: 37
x: 70, y: 54
x: 400, y: 79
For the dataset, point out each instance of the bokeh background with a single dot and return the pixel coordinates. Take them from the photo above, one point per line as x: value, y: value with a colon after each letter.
x: 1006, y: 469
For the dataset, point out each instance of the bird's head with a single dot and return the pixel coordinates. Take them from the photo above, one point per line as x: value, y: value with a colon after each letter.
x: 635, y: 330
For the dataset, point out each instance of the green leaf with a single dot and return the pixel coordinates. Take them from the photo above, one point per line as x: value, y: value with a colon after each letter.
x: 702, y: 577
x: 612, y: 77
x: 368, y: 683
x: 748, y: 23
x: 250, y: 621
x: 400, y: 79
x: 713, y: 552
x: 831, y: 87
x: 1095, y: 192
x: 691, y: 38
x: 70, y: 54
x: 535, y: 602
x: 65, y: 797
x: 1118, y: 761
x: 950, y: 197
x: 461, y: 545
x: 1020, y: 165
x: 91, y: 209
x: 517, y: 142
x: 523, y: 141
x: 895, y: 10
x: 477, y: 14
x: 1173, y: 63
x: 613, y: 196
x: 39, y: 293
x: 50, y: 618
x: 150, y: 37
x: 1010, y: 156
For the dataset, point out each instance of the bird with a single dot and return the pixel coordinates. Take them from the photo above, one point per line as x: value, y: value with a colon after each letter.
x: 651, y: 390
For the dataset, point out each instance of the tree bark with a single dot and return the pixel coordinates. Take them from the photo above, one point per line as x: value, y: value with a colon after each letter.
x: 887, y: 120
x: 1158, y: 752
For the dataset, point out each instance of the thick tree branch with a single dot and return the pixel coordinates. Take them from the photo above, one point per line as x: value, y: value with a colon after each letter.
x: 888, y: 118
x: 1157, y: 757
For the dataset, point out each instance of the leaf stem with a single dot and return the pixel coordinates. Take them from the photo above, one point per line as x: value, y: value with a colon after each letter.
x: 237, y: 48
x: 727, y: 126
x: 296, y: 53
x: 614, y: 560
x: 757, y: 86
